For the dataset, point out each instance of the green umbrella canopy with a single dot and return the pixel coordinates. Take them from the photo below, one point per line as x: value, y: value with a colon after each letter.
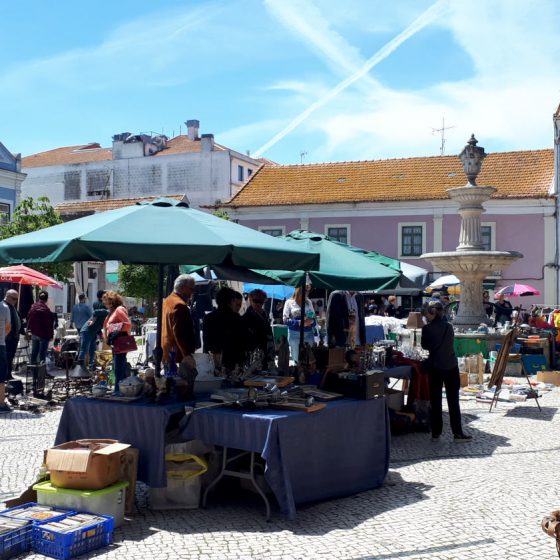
x: 341, y: 267
x: 163, y: 231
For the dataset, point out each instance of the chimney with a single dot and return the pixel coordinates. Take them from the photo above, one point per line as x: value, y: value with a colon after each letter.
x: 207, y: 143
x: 192, y: 129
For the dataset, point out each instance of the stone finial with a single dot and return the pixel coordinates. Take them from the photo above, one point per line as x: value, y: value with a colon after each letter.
x: 472, y: 157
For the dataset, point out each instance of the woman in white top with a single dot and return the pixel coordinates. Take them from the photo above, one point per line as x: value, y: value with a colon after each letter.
x: 292, y: 318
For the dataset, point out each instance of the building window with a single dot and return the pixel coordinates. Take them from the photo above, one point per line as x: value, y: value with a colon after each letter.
x: 240, y: 173
x: 275, y: 232
x: 340, y: 233
x: 487, y: 231
x: 72, y: 185
x: 412, y: 240
x: 4, y: 214
x: 97, y: 182
x: 249, y: 172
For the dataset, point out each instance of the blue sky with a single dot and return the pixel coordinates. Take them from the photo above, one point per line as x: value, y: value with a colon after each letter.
x: 281, y: 77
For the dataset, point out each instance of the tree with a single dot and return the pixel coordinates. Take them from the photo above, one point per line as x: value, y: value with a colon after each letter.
x: 139, y: 281
x: 32, y: 215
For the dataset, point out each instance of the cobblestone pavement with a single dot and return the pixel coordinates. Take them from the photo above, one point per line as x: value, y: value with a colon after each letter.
x: 483, y: 499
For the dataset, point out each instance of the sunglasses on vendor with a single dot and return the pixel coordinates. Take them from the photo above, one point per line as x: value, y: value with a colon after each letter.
x: 258, y: 301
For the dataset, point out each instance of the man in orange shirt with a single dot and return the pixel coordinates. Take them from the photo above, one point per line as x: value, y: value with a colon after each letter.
x: 177, y: 333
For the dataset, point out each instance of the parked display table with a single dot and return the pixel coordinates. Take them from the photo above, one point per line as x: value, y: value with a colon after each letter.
x: 338, y: 451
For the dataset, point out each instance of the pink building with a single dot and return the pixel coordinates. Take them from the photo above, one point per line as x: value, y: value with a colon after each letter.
x: 400, y: 208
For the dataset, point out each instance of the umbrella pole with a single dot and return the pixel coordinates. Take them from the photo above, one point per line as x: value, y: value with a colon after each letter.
x: 302, y: 317
x: 158, y: 352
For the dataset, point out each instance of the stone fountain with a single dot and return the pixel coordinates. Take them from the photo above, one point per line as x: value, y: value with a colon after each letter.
x: 470, y: 262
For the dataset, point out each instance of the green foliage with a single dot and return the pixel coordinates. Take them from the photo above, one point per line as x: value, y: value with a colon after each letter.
x: 32, y: 215
x: 139, y: 281
x: 221, y: 213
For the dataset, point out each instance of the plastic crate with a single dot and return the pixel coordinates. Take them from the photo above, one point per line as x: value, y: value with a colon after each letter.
x: 108, y: 501
x: 9, y: 513
x: 57, y: 544
x: 15, y: 542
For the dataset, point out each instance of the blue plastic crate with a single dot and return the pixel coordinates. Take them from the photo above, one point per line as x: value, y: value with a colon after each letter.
x: 15, y: 542
x: 63, y: 546
x: 6, y: 513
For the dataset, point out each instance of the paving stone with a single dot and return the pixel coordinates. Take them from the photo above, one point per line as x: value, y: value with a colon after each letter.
x: 479, y: 500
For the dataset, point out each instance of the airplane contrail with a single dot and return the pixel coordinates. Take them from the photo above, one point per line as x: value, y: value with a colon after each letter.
x: 433, y: 12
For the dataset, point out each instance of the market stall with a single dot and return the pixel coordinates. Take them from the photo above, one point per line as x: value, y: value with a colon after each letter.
x: 340, y: 450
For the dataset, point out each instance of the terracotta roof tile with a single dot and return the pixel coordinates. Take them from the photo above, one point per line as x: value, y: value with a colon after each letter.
x: 94, y: 152
x: 91, y: 206
x: 524, y: 174
x: 68, y: 155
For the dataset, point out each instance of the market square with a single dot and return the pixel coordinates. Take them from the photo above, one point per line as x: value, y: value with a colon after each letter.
x: 280, y: 279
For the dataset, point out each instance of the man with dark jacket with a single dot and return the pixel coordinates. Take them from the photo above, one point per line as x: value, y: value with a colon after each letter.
x: 257, y: 326
x: 40, y: 323
x: 346, y: 324
x: 12, y: 338
x: 438, y: 338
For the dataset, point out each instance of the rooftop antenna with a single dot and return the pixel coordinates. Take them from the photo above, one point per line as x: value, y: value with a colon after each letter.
x: 442, y: 131
x: 302, y: 156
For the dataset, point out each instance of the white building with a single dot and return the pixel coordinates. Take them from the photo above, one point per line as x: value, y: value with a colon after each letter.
x: 139, y: 166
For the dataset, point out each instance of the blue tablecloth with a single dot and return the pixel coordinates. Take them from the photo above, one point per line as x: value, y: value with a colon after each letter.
x: 338, y: 451
x: 140, y: 424
x: 374, y: 333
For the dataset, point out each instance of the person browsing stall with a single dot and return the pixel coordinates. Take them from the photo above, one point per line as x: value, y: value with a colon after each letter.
x: 81, y: 313
x: 292, y: 318
x: 91, y: 330
x: 223, y: 332
x: 177, y: 332
x: 443, y: 371
x: 257, y: 326
x: 503, y: 309
x: 117, y: 322
x: 40, y: 323
x: 12, y: 338
x: 5, y: 327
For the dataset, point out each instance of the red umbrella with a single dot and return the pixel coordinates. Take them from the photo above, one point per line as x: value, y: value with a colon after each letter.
x: 516, y: 290
x: 21, y: 274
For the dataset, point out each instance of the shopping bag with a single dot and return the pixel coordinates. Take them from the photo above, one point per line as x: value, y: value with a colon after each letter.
x: 124, y: 343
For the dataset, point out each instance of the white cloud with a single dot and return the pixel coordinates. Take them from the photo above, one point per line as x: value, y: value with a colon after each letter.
x: 508, y: 102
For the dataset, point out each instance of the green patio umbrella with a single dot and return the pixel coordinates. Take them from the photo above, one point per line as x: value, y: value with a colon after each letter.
x: 341, y: 267
x: 160, y: 232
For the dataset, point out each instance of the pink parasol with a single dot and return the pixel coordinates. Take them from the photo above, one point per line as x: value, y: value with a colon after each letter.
x: 516, y: 290
x: 21, y: 274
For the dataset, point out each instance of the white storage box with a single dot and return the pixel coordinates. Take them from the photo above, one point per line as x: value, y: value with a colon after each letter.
x: 108, y: 501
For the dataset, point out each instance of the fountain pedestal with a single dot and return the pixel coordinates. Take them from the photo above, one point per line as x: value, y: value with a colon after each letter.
x: 470, y: 262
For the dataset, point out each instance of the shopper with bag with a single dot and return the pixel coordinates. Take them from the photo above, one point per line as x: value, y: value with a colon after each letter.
x: 116, y: 333
x: 442, y: 367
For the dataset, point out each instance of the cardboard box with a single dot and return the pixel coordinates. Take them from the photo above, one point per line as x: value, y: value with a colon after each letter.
x: 549, y: 377
x: 395, y: 398
x: 464, y: 378
x: 85, y: 465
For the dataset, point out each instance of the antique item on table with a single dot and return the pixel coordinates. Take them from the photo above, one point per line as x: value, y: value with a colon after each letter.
x: 262, y: 381
x: 367, y: 385
x: 283, y: 357
x: 162, y: 388
x: 99, y: 390
x: 307, y: 363
x: 301, y: 407
x: 131, y: 386
x: 149, y: 376
x: 321, y: 394
x: 186, y: 375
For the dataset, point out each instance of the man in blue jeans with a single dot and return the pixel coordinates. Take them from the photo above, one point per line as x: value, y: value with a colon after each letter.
x: 90, y: 331
x: 40, y: 323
